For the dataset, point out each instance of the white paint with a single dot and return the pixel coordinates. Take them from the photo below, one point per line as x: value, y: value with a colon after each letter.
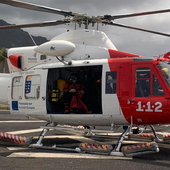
x: 56, y: 48
x: 23, y: 121
x: 110, y: 103
x: 5, y: 80
x: 17, y: 148
x: 156, y: 106
x: 25, y: 131
x: 63, y: 155
x: 87, y: 37
x: 34, y: 106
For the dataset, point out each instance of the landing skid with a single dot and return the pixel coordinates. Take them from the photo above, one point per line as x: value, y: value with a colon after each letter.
x: 108, y: 149
x: 153, y: 136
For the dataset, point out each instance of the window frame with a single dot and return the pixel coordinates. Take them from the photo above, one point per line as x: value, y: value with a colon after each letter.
x: 20, y: 91
x: 111, y: 82
x: 143, y: 80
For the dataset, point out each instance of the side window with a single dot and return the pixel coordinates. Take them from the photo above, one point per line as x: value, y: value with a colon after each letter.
x: 142, y: 88
x: 32, y: 87
x: 156, y: 88
x: 111, y: 81
x: 17, y: 88
x: 43, y: 57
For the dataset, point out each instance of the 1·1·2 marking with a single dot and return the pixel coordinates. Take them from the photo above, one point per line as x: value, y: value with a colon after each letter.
x: 149, y: 108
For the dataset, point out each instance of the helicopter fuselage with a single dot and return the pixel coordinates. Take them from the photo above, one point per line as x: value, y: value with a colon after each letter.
x: 119, y: 88
x: 117, y: 91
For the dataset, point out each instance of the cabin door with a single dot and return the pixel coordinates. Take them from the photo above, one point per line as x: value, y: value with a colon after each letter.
x: 110, y: 81
x: 150, y: 96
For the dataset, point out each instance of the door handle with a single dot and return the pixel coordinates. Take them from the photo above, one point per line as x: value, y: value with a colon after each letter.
x: 167, y: 98
x: 130, y: 100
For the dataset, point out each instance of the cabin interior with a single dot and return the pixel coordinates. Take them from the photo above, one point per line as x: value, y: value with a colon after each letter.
x: 89, y: 76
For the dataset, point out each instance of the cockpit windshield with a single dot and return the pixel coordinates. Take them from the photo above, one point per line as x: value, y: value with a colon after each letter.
x: 165, y: 70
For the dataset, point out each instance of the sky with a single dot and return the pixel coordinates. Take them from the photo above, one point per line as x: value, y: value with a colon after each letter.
x: 127, y: 40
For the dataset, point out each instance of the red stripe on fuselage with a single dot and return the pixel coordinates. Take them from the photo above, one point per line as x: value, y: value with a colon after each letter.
x: 120, y: 54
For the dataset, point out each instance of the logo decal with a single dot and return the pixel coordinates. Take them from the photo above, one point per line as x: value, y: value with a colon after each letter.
x: 52, y: 48
x: 14, y: 105
x: 28, y: 85
x: 35, y: 54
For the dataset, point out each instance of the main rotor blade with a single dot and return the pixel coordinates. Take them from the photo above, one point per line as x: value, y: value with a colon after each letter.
x: 42, y: 24
x: 35, y: 7
x: 135, y: 28
x: 109, y: 17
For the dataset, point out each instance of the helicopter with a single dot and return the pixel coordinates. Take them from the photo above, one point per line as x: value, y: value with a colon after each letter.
x: 119, y: 88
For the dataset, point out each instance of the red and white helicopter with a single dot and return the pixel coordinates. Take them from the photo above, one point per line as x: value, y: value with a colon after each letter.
x: 119, y: 88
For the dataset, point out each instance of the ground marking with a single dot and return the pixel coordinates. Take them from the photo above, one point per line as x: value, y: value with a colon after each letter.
x: 22, y: 121
x: 63, y: 155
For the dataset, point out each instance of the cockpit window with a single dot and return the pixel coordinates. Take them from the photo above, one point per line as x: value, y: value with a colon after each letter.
x: 157, y: 89
x: 165, y: 70
x: 142, y: 88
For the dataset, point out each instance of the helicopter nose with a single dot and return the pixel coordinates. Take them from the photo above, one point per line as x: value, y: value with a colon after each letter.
x: 56, y: 48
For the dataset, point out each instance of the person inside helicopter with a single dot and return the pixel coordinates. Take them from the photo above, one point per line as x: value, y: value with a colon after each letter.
x: 73, y: 92
x: 165, y: 73
x: 142, y: 83
x: 164, y: 68
x: 157, y: 88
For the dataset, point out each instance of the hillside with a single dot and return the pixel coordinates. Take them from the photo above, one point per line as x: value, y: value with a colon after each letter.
x: 17, y: 37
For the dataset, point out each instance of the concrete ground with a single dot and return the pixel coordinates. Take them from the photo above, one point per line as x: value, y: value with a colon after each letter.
x: 17, y: 157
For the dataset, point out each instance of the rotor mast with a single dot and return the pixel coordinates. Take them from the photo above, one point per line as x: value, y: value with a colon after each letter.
x: 85, y: 20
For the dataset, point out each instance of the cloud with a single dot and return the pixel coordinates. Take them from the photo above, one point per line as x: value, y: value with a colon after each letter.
x: 126, y: 40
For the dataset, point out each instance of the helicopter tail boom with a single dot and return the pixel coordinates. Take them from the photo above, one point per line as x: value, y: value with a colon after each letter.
x: 5, y: 80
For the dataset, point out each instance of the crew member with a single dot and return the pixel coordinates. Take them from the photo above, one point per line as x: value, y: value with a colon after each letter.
x: 165, y: 72
x: 73, y: 92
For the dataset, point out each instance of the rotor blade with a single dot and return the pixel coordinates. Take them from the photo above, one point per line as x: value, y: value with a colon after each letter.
x: 35, y: 7
x: 42, y: 24
x: 135, y: 28
x: 109, y: 17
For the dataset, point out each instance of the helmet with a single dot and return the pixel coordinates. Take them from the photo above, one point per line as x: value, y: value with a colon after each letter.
x: 73, y: 76
x: 165, y: 71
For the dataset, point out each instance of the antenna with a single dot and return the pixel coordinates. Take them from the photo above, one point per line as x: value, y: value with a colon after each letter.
x: 64, y: 62
x: 32, y: 39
